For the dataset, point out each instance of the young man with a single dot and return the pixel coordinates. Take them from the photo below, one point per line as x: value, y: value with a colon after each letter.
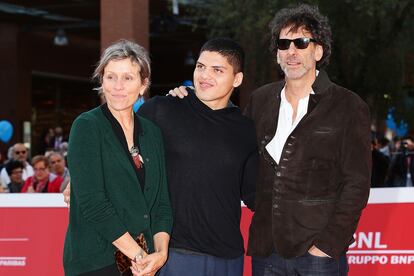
x: 315, y: 159
x: 212, y: 162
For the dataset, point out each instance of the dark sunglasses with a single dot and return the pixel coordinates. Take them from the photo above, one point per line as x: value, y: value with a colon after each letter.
x: 18, y: 152
x: 300, y: 43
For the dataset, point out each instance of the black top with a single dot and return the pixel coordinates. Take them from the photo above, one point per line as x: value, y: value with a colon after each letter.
x: 212, y: 164
x: 15, y: 187
x: 116, y: 126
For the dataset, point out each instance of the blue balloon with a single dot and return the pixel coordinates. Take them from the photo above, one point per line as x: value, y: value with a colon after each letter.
x: 402, y: 129
x: 138, y: 104
x: 390, y: 121
x: 6, y: 131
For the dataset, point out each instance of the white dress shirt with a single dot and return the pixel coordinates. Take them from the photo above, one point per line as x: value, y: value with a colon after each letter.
x: 285, y: 124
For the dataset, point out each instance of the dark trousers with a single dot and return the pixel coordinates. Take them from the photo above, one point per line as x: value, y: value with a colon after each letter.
x: 306, y: 265
x: 110, y: 270
x: 187, y: 264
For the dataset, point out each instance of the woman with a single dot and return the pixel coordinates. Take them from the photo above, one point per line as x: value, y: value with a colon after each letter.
x: 118, y: 178
x: 14, y: 169
x: 42, y: 181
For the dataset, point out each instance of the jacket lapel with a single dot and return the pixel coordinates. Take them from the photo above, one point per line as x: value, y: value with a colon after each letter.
x: 271, y: 111
x: 272, y: 107
x: 320, y: 86
x: 271, y: 118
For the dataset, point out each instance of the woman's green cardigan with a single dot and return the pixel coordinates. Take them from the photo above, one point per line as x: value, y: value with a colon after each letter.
x: 106, y: 199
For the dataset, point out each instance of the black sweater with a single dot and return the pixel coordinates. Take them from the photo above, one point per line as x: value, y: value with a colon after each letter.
x: 212, y: 163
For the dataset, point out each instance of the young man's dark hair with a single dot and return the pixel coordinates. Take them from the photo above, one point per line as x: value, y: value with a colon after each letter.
x: 12, y: 165
x: 308, y: 17
x: 229, y: 49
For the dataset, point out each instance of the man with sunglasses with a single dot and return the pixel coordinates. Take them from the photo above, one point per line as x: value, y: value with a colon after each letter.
x: 19, y: 153
x: 314, y: 145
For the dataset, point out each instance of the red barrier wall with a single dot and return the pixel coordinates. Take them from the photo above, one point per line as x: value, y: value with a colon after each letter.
x: 32, y: 231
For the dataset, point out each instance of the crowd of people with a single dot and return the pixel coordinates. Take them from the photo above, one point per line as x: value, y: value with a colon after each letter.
x: 41, y: 174
x: 392, y: 166
x: 392, y: 162
x: 54, y: 140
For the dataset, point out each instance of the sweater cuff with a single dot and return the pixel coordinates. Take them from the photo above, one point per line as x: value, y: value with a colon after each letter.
x: 163, y: 226
x: 111, y: 229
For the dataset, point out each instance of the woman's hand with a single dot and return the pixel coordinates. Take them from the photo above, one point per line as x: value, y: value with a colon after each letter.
x: 314, y: 251
x: 149, y: 265
x: 66, y: 195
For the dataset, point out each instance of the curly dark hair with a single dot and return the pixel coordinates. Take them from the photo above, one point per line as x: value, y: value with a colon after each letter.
x: 311, y: 19
x: 12, y: 165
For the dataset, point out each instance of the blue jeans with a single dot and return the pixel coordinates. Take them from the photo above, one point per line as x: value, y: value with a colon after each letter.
x: 181, y: 263
x: 306, y: 265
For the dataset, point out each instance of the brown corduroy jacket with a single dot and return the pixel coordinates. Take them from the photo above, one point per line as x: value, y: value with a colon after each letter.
x: 315, y: 195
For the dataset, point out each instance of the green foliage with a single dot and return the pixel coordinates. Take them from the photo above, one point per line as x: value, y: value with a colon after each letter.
x: 370, y: 50
x: 372, y: 42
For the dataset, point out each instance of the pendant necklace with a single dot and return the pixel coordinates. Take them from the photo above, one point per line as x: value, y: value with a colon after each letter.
x: 134, y: 151
x: 136, y: 156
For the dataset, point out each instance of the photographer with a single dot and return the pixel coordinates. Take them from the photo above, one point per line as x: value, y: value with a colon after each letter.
x: 401, y: 169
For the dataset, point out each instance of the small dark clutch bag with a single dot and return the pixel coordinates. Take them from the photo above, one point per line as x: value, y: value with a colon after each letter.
x: 123, y: 262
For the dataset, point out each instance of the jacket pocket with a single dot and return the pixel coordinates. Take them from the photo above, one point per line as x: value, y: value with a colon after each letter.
x: 315, y: 202
x: 323, y: 131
